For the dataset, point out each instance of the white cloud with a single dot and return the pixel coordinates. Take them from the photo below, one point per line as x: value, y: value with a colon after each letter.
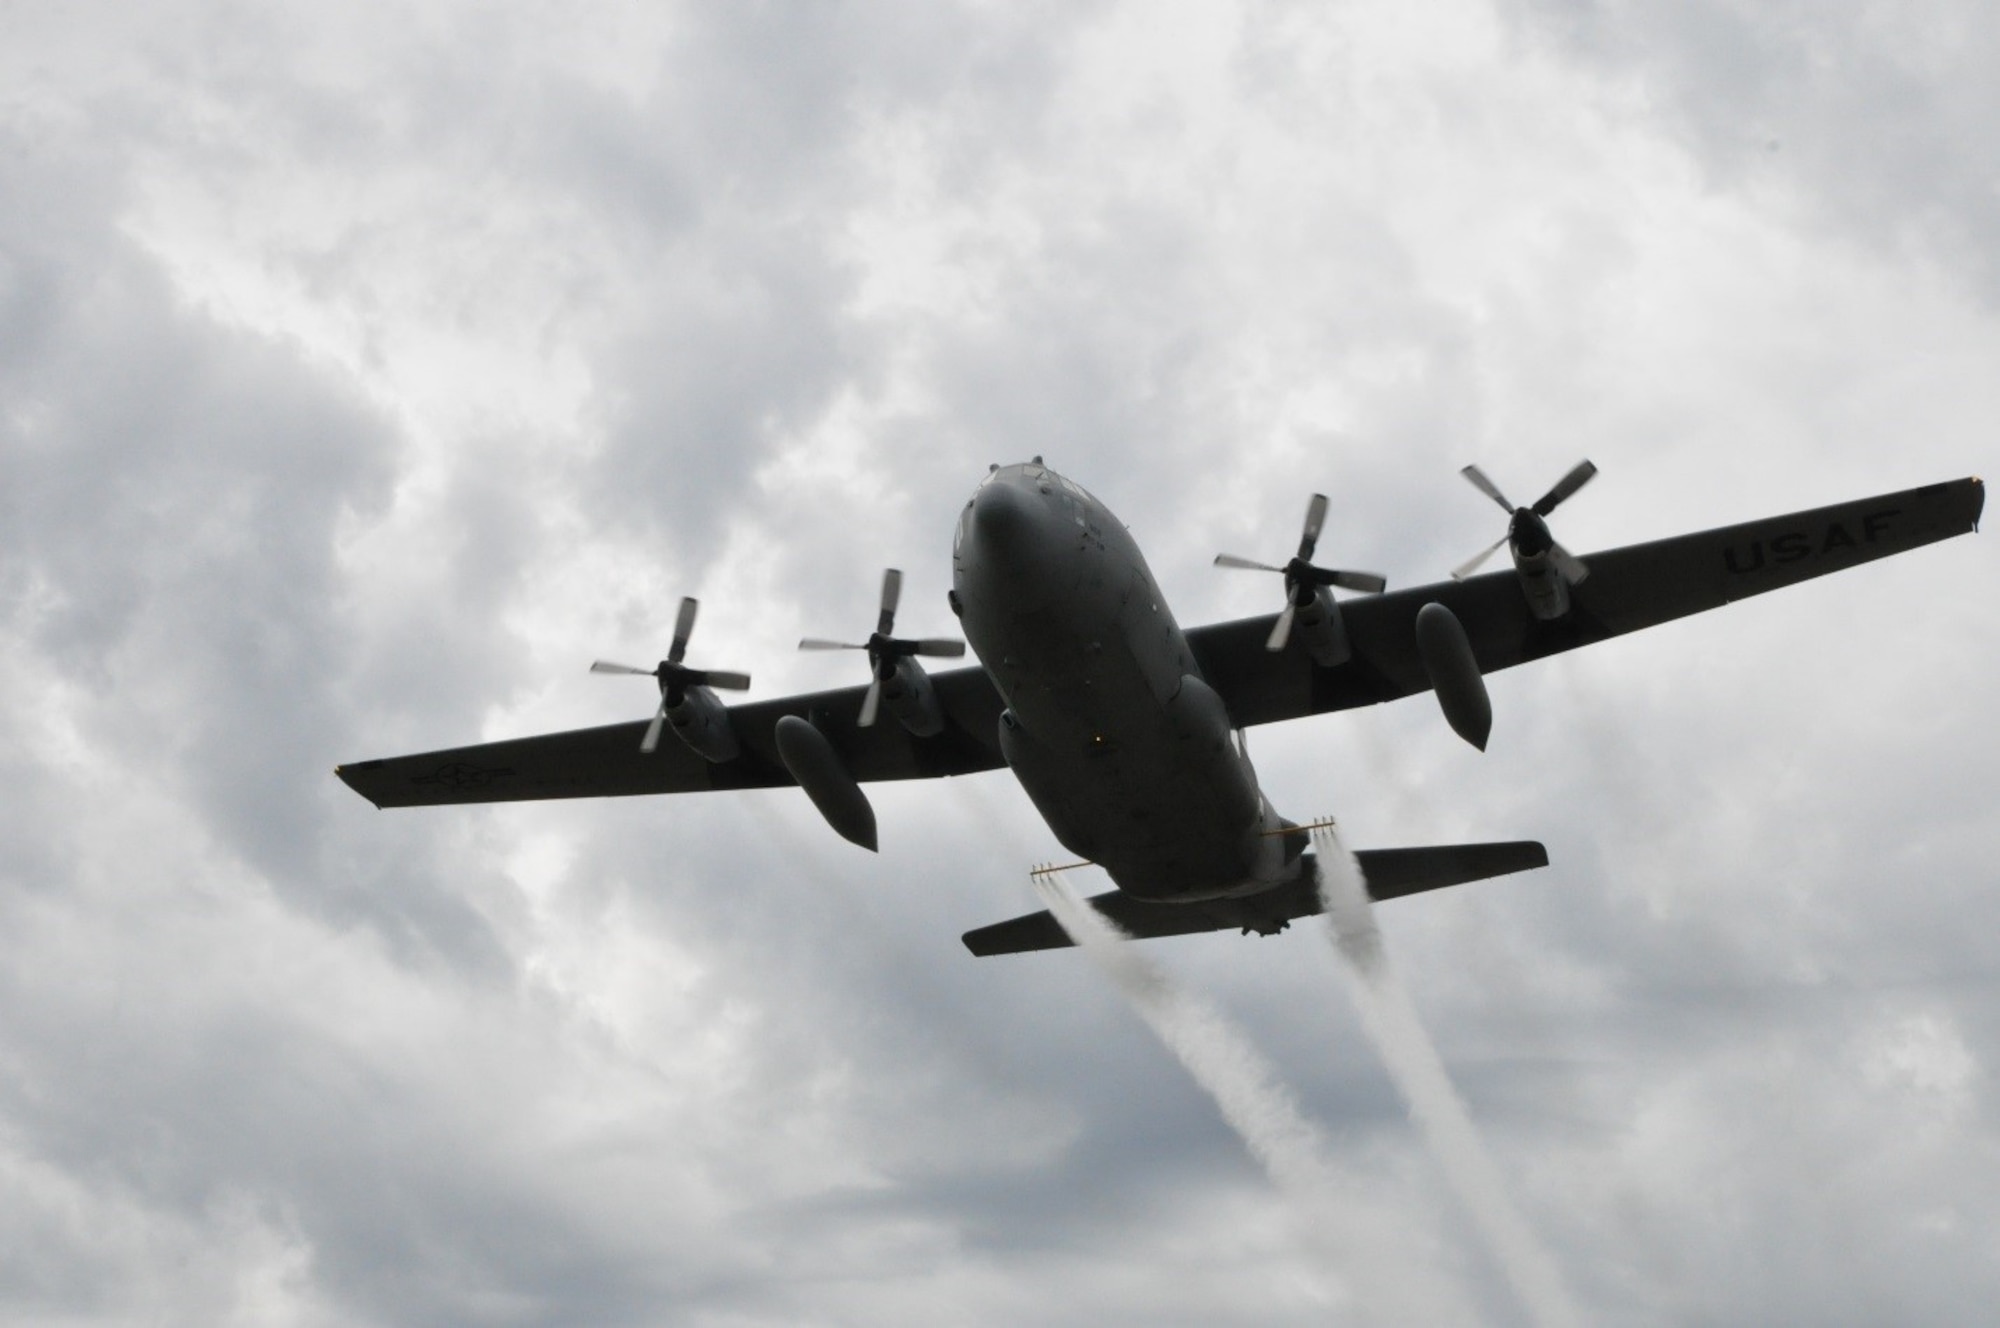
x: 367, y: 372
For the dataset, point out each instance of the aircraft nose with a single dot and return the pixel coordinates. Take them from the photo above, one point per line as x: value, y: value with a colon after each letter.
x: 1015, y: 550
x: 1004, y: 521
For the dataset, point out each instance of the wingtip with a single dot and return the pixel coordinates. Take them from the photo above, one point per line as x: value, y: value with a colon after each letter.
x: 344, y: 773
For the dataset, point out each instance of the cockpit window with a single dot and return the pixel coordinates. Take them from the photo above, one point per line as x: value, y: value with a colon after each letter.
x: 1077, y: 489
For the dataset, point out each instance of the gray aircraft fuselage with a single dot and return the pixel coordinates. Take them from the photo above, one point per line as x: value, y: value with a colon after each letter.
x: 1124, y: 749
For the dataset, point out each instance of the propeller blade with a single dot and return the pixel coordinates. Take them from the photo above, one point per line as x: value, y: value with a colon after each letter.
x: 1315, y: 518
x: 728, y: 682
x: 1470, y: 566
x: 605, y: 666
x: 1366, y: 582
x: 1282, y: 632
x: 892, y: 594
x: 1568, y: 564
x: 886, y: 652
x: 1567, y: 485
x: 1244, y: 564
x: 652, y: 738
x: 683, y: 628
x: 1487, y: 487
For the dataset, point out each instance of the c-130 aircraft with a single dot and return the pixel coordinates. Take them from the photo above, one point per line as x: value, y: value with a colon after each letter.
x: 1125, y: 730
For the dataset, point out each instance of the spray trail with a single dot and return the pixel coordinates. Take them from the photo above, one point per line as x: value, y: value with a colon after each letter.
x: 1412, y: 1060
x: 1218, y: 1056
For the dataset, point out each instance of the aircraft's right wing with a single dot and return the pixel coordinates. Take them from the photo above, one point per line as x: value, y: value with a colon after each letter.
x: 1637, y: 586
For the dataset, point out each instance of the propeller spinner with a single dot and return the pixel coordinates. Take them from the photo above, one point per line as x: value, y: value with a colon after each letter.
x: 1302, y: 579
x: 675, y: 677
x: 885, y: 650
x: 1528, y: 530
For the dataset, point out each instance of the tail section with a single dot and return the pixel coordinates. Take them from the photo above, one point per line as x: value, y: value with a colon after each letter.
x: 1391, y: 873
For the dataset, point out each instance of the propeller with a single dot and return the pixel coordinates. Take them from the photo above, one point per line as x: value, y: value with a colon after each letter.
x: 1528, y: 529
x: 675, y: 677
x: 1302, y: 579
x: 885, y: 650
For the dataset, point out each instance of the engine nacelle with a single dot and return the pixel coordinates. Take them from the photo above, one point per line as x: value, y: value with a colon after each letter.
x: 1535, y: 565
x: 702, y: 722
x: 1454, y: 673
x: 913, y: 700
x: 1317, y: 626
x: 1546, y: 590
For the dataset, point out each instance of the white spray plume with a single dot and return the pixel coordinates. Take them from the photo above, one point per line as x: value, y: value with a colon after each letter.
x: 1219, y: 1056
x: 1412, y: 1060
x: 1367, y: 1253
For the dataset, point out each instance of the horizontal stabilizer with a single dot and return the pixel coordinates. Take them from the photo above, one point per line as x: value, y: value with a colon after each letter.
x: 1390, y: 872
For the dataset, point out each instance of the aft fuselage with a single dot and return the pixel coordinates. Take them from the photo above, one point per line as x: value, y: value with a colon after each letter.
x: 1124, y: 749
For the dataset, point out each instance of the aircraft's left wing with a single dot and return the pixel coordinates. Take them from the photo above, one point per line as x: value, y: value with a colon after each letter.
x: 606, y: 762
x: 1637, y: 586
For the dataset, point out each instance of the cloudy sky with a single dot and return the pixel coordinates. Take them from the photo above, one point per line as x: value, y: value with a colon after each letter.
x: 367, y: 369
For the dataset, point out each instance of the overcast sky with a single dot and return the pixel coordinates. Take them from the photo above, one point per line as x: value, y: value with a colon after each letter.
x: 368, y: 369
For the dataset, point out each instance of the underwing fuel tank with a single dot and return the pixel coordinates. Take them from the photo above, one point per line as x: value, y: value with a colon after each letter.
x: 1454, y: 673
x: 825, y: 778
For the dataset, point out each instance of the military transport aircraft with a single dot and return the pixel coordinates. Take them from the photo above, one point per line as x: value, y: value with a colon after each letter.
x: 1124, y: 729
